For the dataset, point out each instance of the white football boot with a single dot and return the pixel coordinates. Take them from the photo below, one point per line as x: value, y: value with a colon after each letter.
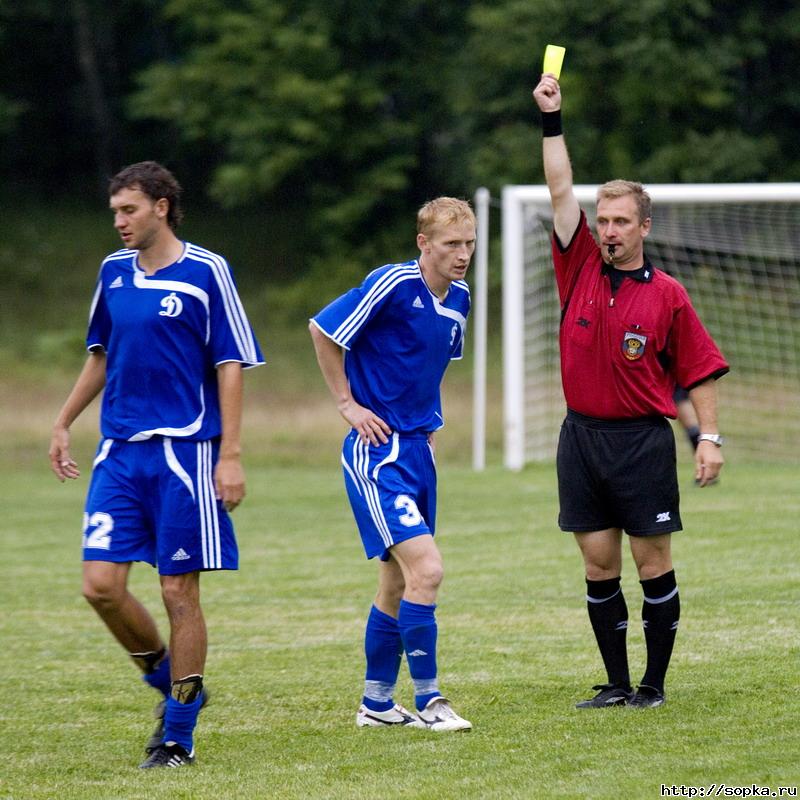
x: 439, y: 716
x: 381, y: 719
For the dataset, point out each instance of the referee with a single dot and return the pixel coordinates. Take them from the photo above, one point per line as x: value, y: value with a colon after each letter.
x: 628, y: 336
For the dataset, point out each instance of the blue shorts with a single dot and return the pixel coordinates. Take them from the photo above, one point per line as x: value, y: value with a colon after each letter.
x: 154, y: 501
x: 392, y: 489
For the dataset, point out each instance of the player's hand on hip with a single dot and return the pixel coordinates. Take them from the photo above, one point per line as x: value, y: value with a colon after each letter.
x: 229, y: 482
x: 61, y: 462
x: 708, y: 462
x: 548, y: 93
x: 369, y: 426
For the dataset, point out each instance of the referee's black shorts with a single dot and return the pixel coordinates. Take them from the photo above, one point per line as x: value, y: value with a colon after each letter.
x: 617, y: 474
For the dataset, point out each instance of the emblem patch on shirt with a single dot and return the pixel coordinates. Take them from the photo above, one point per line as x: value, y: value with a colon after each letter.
x: 633, y: 346
x: 172, y: 304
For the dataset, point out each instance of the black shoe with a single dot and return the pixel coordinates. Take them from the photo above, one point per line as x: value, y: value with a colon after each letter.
x: 647, y: 697
x: 158, y: 713
x: 607, y: 696
x: 168, y: 755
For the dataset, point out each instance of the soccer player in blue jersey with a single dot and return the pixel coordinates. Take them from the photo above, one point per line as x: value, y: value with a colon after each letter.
x: 167, y: 340
x: 399, y: 330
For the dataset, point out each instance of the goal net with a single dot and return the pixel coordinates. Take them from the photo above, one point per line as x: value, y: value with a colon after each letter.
x: 735, y: 247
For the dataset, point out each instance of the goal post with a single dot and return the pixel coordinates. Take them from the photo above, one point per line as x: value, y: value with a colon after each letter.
x: 736, y: 247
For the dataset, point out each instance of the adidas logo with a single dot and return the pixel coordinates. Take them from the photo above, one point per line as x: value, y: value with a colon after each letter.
x: 418, y: 303
x: 418, y: 653
x: 180, y: 555
x: 116, y: 283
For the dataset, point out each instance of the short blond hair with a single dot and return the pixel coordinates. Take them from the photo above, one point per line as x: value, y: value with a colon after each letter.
x: 621, y: 188
x: 443, y: 211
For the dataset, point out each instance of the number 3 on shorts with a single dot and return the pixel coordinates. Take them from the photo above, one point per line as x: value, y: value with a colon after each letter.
x: 100, y: 537
x: 411, y: 517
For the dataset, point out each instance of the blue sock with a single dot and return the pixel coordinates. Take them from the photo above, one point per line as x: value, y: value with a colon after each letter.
x: 160, y: 678
x: 384, y: 651
x: 180, y: 720
x: 418, y: 630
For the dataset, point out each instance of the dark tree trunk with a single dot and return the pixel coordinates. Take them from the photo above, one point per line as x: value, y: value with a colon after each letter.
x: 88, y: 55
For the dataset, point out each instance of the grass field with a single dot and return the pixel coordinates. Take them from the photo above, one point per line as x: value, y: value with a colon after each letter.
x: 285, y: 661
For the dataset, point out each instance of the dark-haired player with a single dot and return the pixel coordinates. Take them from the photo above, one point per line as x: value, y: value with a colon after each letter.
x: 167, y: 340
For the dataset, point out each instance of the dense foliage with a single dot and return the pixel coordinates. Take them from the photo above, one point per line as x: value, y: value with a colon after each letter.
x: 336, y: 118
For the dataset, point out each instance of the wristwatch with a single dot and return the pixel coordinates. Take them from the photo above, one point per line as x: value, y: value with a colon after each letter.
x: 711, y: 437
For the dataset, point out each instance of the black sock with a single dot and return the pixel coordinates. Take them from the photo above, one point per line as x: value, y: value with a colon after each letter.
x: 661, y: 611
x: 609, y: 617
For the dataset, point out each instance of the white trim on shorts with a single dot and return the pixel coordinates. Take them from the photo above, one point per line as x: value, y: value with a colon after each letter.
x: 102, y: 454
x: 207, y: 505
x: 391, y: 457
x: 370, y: 489
x: 351, y: 474
x: 176, y: 467
x: 207, y: 502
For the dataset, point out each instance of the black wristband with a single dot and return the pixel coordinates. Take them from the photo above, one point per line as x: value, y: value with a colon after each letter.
x: 551, y: 123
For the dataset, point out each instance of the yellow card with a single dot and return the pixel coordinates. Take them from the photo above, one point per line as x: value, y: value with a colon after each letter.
x: 553, y: 59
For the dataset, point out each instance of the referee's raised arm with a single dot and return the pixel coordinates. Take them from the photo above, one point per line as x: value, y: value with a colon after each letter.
x: 557, y: 169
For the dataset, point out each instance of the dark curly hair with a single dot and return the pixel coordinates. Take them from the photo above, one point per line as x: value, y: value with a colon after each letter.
x: 156, y: 182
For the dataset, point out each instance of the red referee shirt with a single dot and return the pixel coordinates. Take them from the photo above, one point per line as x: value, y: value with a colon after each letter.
x: 622, y: 354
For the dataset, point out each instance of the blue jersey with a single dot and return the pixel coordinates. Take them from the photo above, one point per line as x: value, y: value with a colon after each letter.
x: 164, y: 336
x: 399, y: 338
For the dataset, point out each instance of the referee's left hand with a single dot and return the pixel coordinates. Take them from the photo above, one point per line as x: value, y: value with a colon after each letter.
x: 229, y: 482
x: 708, y: 462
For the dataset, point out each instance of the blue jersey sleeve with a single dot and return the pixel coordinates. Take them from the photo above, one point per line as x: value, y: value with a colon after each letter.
x: 231, y: 337
x: 345, y: 318
x: 99, y: 331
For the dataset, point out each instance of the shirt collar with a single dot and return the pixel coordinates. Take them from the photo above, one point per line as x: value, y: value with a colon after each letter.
x: 644, y: 274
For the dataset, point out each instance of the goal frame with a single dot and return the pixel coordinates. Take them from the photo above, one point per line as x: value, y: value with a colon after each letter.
x: 514, y: 200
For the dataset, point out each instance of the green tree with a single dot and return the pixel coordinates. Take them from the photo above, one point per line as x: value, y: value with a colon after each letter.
x: 660, y: 90
x: 336, y: 107
x: 337, y: 118
x: 65, y: 68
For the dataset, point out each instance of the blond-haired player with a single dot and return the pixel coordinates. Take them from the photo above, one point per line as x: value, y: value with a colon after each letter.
x: 399, y: 331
